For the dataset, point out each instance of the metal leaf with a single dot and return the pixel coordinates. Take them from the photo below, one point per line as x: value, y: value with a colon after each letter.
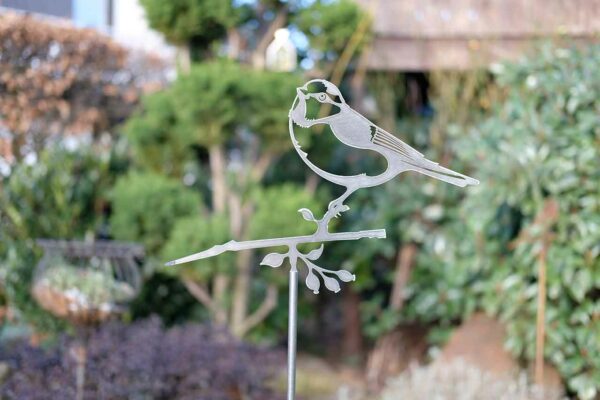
x: 273, y: 260
x: 345, y: 276
x: 332, y: 284
x: 307, y: 214
x: 312, y: 282
x: 316, y: 253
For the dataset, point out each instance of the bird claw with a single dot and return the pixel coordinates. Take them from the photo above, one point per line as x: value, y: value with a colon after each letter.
x: 339, y: 208
x: 336, y: 209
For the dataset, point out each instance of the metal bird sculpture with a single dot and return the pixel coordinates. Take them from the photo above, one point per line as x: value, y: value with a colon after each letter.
x: 353, y: 129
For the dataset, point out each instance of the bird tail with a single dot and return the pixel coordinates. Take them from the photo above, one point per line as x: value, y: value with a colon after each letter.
x: 446, y: 175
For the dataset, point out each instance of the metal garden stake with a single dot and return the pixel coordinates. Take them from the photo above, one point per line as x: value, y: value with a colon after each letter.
x: 354, y: 130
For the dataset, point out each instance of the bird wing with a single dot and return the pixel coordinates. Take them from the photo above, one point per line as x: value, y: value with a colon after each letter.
x: 417, y: 161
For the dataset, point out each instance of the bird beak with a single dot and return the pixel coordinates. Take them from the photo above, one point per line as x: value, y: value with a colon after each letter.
x: 301, y: 92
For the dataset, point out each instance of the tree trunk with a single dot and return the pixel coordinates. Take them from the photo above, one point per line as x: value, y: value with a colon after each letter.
x: 311, y: 183
x: 241, y: 292
x: 404, y: 264
x: 200, y: 293
x: 240, y: 214
x: 17, y: 143
x: 386, y: 355
x: 218, y: 180
x: 352, y: 344
x: 234, y: 44
x: 219, y: 201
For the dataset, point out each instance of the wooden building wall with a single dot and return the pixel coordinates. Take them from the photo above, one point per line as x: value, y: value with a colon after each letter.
x: 458, y: 34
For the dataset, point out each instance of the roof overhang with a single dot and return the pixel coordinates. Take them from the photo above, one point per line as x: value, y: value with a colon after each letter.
x: 417, y: 35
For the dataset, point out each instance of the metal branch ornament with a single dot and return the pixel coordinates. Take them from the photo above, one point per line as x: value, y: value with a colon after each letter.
x: 354, y: 130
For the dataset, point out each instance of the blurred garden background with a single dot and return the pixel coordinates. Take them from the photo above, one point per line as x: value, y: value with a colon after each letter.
x: 133, y: 132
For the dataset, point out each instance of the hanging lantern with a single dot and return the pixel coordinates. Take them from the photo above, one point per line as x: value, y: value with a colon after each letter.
x: 281, y: 53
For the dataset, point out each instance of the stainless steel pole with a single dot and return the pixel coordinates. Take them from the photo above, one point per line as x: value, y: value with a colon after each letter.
x: 292, y: 332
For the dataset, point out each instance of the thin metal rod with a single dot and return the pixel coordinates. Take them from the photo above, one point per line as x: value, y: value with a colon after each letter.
x: 292, y: 333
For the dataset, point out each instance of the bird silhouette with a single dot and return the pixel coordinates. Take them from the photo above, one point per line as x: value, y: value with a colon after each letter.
x: 353, y: 129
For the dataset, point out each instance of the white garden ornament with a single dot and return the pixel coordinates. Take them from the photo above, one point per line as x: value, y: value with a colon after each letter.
x: 281, y: 54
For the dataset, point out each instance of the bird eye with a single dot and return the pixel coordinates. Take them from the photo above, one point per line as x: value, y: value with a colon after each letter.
x: 322, y: 96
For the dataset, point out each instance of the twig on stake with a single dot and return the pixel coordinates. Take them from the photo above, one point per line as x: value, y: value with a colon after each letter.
x: 285, y: 241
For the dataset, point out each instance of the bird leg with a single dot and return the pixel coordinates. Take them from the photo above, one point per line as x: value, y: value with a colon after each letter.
x: 334, y: 210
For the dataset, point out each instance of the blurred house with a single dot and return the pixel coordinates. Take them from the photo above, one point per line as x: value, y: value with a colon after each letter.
x: 421, y: 35
x: 123, y: 20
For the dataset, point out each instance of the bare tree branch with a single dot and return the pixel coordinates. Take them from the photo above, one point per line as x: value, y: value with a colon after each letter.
x: 232, y: 245
x: 200, y: 293
x: 260, y: 167
x: 406, y: 257
x: 262, y: 312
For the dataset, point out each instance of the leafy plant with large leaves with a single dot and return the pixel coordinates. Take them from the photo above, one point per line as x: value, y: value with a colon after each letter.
x: 534, y: 146
x: 539, y: 206
x: 531, y: 136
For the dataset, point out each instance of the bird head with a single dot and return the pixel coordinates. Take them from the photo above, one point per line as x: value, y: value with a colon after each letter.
x: 311, y: 98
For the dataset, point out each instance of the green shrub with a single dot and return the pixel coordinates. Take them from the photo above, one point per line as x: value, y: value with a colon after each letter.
x: 277, y: 212
x: 541, y: 145
x: 536, y: 142
x: 185, y: 21
x: 199, y: 233
x: 146, y: 207
x: 205, y: 108
x: 158, y: 143
x: 330, y: 24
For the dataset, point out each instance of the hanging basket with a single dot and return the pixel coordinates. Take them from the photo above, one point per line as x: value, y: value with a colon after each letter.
x: 86, y: 283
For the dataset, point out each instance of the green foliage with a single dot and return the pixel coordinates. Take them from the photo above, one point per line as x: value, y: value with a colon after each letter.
x: 206, y: 107
x: 217, y: 105
x: 277, y: 207
x: 18, y: 267
x: 197, y: 21
x: 270, y: 97
x: 60, y: 196
x: 208, y: 101
x: 164, y: 295
x: 479, y: 248
x: 540, y: 145
x: 200, y: 233
x: 203, y: 232
x: 146, y: 206
x: 330, y: 24
x: 55, y: 197
x: 421, y: 212
x: 157, y: 141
